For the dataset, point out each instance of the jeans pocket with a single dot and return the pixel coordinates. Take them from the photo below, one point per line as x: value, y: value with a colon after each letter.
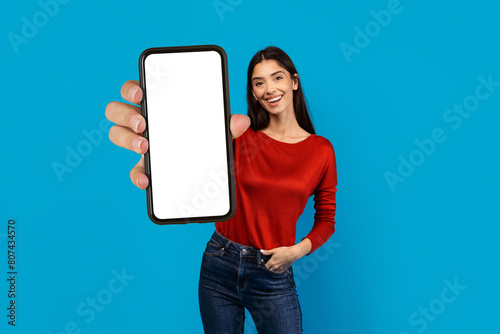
x: 287, y: 270
x: 213, y: 248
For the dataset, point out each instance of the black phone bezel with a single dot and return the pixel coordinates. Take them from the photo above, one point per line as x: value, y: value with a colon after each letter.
x: 227, y: 117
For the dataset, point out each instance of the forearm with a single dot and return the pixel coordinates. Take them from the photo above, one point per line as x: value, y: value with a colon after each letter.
x: 303, y: 248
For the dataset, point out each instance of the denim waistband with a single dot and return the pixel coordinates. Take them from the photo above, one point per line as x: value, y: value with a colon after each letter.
x: 241, y: 250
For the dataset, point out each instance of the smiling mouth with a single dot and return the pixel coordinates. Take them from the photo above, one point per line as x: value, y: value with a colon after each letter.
x: 275, y: 99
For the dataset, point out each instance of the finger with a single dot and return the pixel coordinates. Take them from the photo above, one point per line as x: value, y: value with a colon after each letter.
x: 268, y: 251
x: 275, y: 269
x: 126, y: 115
x: 137, y: 175
x: 131, y: 91
x: 128, y: 139
x: 239, y: 124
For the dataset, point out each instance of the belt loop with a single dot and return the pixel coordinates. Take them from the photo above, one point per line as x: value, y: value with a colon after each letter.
x: 259, y: 259
x: 226, y: 247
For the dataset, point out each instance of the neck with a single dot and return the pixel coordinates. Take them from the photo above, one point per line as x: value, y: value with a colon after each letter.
x: 284, y: 125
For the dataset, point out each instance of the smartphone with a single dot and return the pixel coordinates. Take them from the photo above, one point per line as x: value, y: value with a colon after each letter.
x: 189, y: 162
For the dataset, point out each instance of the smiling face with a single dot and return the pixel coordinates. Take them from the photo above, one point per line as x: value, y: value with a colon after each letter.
x: 273, y: 87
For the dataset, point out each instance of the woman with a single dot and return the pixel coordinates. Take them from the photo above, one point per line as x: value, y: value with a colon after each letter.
x: 279, y: 163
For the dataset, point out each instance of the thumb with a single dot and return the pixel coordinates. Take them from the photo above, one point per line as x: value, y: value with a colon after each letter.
x: 267, y: 252
x: 239, y: 124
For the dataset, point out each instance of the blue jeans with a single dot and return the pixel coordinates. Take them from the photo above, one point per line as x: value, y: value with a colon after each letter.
x: 234, y: 277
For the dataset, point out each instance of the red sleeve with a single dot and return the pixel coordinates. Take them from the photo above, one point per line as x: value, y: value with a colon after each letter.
x: 324, y: 203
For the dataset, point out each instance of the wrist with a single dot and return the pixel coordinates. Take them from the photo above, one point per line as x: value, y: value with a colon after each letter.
x: 303, y: 248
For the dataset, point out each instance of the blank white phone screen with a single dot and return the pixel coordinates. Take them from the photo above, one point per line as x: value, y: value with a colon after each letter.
x: 187, y: 138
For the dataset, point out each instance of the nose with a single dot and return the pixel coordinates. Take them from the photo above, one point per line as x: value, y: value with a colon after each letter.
x: 270, y: 89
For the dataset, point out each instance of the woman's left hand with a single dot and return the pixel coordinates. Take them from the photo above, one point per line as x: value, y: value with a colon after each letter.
x: 283, y: 257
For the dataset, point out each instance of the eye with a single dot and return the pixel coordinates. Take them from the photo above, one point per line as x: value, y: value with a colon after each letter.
x: 278, y: 77
x: 258, y: 83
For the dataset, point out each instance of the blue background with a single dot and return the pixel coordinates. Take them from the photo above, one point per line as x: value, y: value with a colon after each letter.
x: 394, y: 248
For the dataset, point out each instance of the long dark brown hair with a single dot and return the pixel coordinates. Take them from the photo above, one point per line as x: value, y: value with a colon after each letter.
x: 259, y: 116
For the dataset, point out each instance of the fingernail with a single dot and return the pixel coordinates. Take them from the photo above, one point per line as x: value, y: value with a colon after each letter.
x: 133, y: 93
x: 141, y: 182
x: 137, y: 143
x: 136, y: 120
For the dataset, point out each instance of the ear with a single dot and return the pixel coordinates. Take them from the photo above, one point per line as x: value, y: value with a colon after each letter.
x: 295, y: 85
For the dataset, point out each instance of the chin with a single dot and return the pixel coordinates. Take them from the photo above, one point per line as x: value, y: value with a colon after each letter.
x: 274, y: 111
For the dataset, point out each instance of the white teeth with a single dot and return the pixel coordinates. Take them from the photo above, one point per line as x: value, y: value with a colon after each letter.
x: 275, y: 99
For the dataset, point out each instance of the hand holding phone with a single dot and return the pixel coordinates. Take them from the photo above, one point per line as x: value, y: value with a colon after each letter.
x: 130, y: 124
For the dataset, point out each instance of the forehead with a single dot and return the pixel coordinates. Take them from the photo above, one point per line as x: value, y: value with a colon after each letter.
x: 266, y: 68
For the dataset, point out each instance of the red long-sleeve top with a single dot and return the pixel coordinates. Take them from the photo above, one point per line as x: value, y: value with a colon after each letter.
x: 274, y: 181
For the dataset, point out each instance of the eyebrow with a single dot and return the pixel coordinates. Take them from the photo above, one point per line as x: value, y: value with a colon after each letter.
x: 271, y: 75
